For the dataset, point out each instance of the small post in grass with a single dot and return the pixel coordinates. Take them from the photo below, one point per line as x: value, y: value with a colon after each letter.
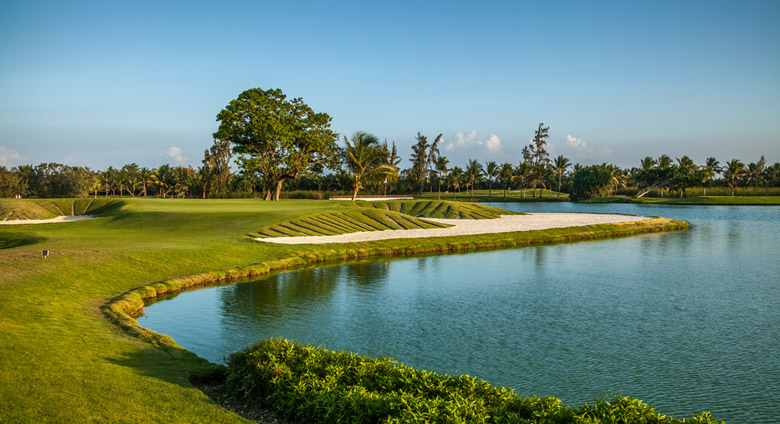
x: 45, y: 254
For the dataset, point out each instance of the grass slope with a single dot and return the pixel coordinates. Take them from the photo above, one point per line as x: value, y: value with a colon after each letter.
x: 24, y: 209
x: 344, y: 221
x: 63, y: 361
x: 424, y: 208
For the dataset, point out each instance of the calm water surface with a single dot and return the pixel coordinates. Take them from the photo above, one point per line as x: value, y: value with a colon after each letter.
x: 685, y: 321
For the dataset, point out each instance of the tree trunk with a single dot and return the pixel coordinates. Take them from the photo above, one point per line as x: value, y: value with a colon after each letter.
x: 354, y: 194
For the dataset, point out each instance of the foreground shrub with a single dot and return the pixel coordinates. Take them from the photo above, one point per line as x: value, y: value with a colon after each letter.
x: 321, y: 386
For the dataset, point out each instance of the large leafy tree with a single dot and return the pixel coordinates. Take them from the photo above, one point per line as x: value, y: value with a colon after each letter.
x: 278, y: 138
x: 366, y: 160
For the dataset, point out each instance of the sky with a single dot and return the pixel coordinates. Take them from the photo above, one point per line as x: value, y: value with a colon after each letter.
x: 106, y: 83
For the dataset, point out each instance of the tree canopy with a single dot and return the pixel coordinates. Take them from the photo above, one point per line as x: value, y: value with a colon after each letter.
x: 277, y: 138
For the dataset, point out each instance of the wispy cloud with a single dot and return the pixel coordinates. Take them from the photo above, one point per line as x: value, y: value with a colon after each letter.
x: 175, y: 154
x: 468, y: 140
x: 579, y: 149
x: 9, y: 157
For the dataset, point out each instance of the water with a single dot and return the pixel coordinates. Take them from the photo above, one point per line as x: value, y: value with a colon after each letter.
x: 685, y: 321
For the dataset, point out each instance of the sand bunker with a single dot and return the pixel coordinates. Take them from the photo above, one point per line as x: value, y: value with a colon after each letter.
x: 463, y: 227
x: 46, y: 221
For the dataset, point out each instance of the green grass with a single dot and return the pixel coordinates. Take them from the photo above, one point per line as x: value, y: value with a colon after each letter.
x: 24, y: 209
x: 432, y: 208
x: 62, y: 360
x: 498, y: 196
x: 697, y: 200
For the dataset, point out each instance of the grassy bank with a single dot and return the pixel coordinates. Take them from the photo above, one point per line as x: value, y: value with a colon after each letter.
x: 63, y: 361
x: 697, y: 200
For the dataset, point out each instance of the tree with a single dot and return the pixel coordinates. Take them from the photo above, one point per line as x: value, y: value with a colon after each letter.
x: 491, y: 171
x: 219, y: 156
x: 278, y: 138
x: 735, y: 169
x: 590, y: 181
x: 366, y: 159
x: 560, y: 164
x: 685, y: 173
x: 419, y: 161
x: 536, y: 155
x: 441, y: 166
x: 523, y: 175
x: 163, y: 179
x: 473, y: 170
x: 433, y: 156
x: 708, y: 171
x: 506, y: 173
x: 454, y: 178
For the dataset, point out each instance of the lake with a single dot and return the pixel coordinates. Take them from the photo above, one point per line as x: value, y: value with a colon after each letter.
x: 686, y: 321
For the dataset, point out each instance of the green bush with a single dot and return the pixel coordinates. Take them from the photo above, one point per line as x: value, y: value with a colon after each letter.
x: 321, y: 386
x: 590, y: 181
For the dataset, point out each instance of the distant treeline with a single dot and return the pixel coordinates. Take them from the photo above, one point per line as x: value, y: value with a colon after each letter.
x: 657, y: 177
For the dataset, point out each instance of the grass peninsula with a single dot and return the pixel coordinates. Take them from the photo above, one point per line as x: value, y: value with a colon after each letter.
x: 64, y: 358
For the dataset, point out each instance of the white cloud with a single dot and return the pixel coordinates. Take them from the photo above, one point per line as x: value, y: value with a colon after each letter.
x: 9, y: 157
x: 493, y: 144
x: 582, y: 151
x: 466, y: 140
x: 175, y: 154
x: 575, y: 142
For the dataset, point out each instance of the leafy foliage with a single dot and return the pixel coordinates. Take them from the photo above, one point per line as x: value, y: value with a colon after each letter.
x: 322, y: 386
x: 591, y: 181
x: 278, y: 138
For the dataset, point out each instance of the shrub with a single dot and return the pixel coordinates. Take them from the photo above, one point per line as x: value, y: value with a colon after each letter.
x: 321, y: 386
x: 590, y: 181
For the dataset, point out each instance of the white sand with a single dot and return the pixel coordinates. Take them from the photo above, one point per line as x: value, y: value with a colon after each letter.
x: 462, y: 227
x: 46, y: 221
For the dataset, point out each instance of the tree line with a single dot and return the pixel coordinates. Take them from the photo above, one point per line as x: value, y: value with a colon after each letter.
x: 283, y: 145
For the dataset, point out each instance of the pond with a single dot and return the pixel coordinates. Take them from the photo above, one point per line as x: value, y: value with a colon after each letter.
x: 686, y: 321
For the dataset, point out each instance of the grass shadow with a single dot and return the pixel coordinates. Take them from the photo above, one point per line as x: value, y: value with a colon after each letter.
x: 10, y: 240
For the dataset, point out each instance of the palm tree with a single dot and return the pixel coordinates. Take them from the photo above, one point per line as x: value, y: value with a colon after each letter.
x: 441, y: 166
x: 708, y: 172
x: 506, y: 174
x: 685, y: 173
x: 523, y: 174
x: 433, y: 156
x: 664, y: 164
x: 365, y: 159
x: 163, y: 178
x: 455, y: 176
x: 559, y: 165
x: 146, y: 177
x: 735, y: 169
x: 491, y: 171
x: 474, y: 170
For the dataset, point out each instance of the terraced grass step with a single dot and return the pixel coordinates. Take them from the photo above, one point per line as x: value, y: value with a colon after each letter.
x: 349, y: 220
x: 422, y: 208
x: 24, y: 209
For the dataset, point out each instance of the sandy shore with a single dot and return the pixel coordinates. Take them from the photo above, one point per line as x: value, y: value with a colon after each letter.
x: 462, y: 227
x: 46, y: 221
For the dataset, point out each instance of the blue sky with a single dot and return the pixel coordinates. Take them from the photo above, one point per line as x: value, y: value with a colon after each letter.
x: 107, y: 83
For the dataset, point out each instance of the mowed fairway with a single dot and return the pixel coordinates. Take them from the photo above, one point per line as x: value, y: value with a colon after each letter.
x: 61, y: 360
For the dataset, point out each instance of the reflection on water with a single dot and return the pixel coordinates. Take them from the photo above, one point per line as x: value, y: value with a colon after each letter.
x: 686, y: 321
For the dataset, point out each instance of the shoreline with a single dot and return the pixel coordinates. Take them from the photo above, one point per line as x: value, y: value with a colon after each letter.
x: 465, y: 227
